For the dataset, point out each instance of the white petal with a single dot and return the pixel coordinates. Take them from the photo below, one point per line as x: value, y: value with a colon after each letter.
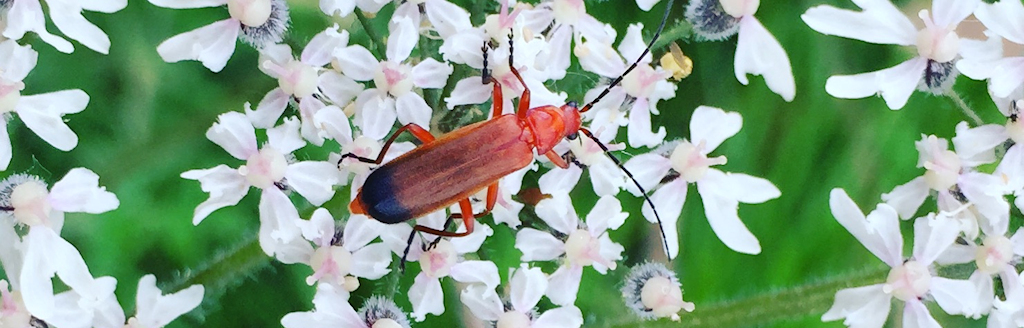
x: 314, y: 180
x: 866, y: 306
x: 558, y: 212
x: 402, y: 39
x: 915, y: 315
x: 211, y: 44
x: 633, y: 44
x: 69, y: 20
x: 639, y: 132
x: 1011, y: 168
x: 371, y: 262
x: 986, y: 192
x: 235, y: 134
x: 908, y: 197
x: 27, y: 15
x: 952, y: 12
x: 975, y: 145
x: 879, y: 22
x: 468, y: 91
x: 1006, y: 76
x: 1006, y: 18
x: 447, y: 18
x: 527, y: 285
x: 411, y: 108
x: 464, y: 48
x: 426, y: 297
x: 156, y: 310
x: 759, y: 53
x: 320, y: 50
x: 562, y: 317
x: 747, y: 189
x: 79, y: 191
x: 285, y: 138
x: 563, y: 285
x: 6, y: 152
x: 469, y: 272
x: 269, y: 109
x: 431, y: 74
x: 16, y: 60
x: 557, y: 54
x: 225, y: 186
x: 646, y: 5
x: 334, y: 121
x: 357, y: 62
x: 721, y: 212
x: 185, y: 4
x: 606, y: 214
x: 538, y: 246
x: 880, y: 232
x: 376, y: 118
x: 895, y: 83
x: 713, y: 126
x: 606, y: 177
x: 668, y: 200
x: 560, y: 180
x: 471, y: 243
x: 339, y: 89
x: 280, y: 233
x: 600, y: 58
x: 483, y: 302
x: 43, y: 114
x: 932, y: 235
x: 648, y: 170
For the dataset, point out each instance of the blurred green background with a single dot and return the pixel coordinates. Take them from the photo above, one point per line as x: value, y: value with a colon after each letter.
x: 146, y: 121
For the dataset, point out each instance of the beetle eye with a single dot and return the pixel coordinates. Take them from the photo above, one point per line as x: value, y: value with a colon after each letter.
x: 572, y: 136
x: 572, y: 104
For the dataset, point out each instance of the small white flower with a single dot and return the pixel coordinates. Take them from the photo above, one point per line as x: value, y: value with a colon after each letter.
x: 909, y: 280
x: 525, y: 288
x: 268, y: 169
x: 331, y: 310
x: 257, y: 22
x: 652, y: 291
x: 568, y: 21
x: 445, y: 260
x: 27, y: 16
x: 444, y: 17
x: 984, y: 59
x: 154, y: 310
x: 721, y: 192
x: 42, y: 113
x: 393, y: 96
x: 26, y: 200
x: 881, y: 22
x: 338, y: 262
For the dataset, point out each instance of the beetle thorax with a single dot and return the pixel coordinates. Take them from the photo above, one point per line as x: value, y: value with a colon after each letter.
x: 549, y: 125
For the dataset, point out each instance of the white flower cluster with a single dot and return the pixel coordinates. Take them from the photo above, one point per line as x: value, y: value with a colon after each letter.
x: 32, y: 252
x: 333, y: 90
x: 969, y: 183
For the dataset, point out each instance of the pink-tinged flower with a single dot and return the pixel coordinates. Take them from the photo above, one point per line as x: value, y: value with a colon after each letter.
x: 757, y: 51
x: 687, y: 161
x: 568, y: 20
x: 652, y: 291
x: 984, y: 60
x: 577, y: 244
x: 42, y: 113
x: 269, y: 169
x: 881, y: 22
x: 331, y: 310
x: 445, y: 18
x: 393, y: 96
x: 910, y: 280
x: 952, y: 174
x: 643, y: 87
x: 444, y: 260
x: 340, y: 259
x: 27, y: 16
x: 304, y: 81
x: 25, y: 199
x: 155, y: 310
x: 525, y: 288
x: 257, y: 22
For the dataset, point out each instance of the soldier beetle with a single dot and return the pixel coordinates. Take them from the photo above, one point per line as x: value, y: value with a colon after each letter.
x: 449, y: 169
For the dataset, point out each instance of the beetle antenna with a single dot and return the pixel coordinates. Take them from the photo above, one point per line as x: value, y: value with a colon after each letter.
x: 643, y: 192
x: 615, y: 82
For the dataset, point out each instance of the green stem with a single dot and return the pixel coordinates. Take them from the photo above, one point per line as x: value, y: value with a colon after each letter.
x: 227, y: 271
x: 678, y: 31
x: 792, y: 303
x: 376, y: 39
x: 966, y: 109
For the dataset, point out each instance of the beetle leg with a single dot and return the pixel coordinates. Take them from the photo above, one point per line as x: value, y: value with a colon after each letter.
x: 556, y: 159
x: 492, y: 199
x: 417, y: 131
x: 524, y: 100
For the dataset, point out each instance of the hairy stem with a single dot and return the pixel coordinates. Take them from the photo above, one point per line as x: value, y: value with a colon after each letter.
x: 975, y: 119
x: 792, y: 303
x: 226, y: 271
x: 678, y: 31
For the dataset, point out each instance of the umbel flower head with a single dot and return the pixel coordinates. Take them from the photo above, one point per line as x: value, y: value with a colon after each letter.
x: 652, y: 291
